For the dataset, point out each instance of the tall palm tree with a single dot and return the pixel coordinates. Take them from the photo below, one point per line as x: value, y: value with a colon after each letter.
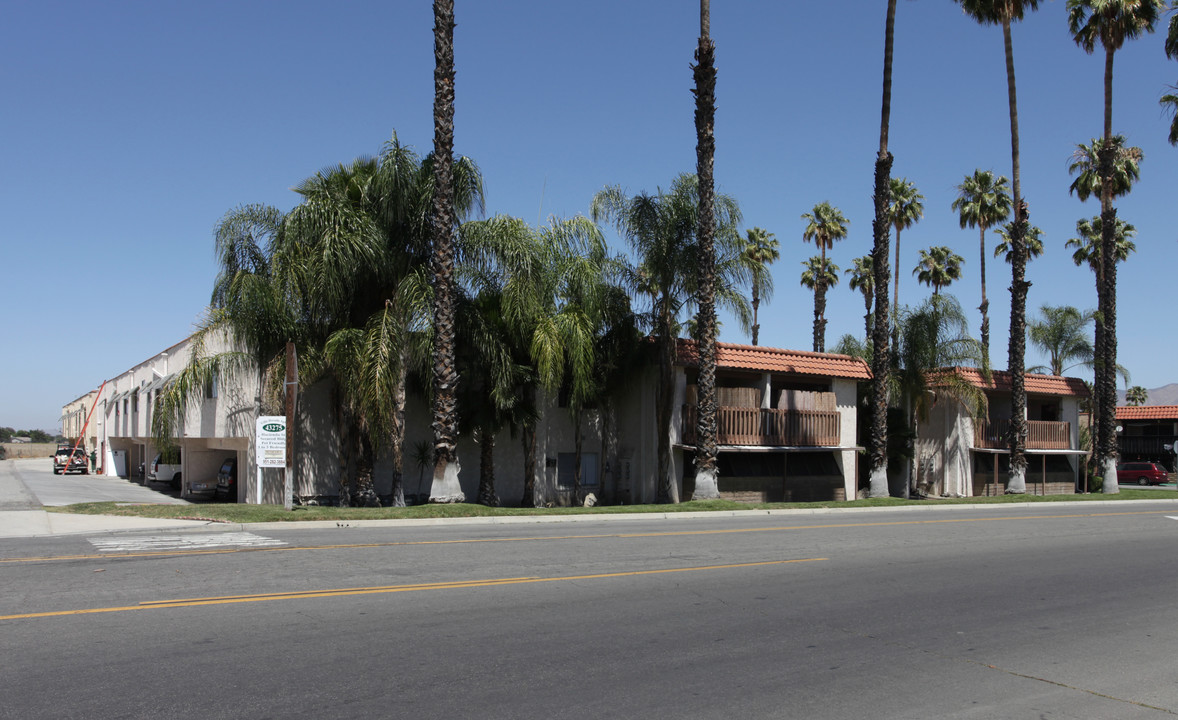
x: 863, y: 279
x: 904, y: 211
x: 760, y: 251
x: 1060, y: 333
x: 706, y: 487
x: 880, y: 224
x: 1085, y: 166
x: 1088, y: 251
x: 661, y: 230
x: 939, y: 266
x: 982, y: 202
x: 1109, y: 23
x: 825, y: 224
x: 820, y: 273
x: 446, y: 487
x: 1004, y: 12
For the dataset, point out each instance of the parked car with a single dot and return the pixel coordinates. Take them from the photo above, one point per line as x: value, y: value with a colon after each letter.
x: 68, y: 460
x: 165, y: 468
x: 1142, y: 473
x: 227, y: 480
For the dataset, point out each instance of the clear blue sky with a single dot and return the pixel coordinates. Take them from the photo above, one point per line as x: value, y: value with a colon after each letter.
x: 130, y: 128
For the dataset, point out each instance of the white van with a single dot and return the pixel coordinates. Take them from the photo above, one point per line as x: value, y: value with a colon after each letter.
x: 165, y: 472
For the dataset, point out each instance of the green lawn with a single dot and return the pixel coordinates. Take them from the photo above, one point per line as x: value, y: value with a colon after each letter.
x: 242, y: 513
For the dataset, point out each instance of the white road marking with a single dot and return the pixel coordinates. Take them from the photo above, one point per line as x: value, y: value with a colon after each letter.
x: 196, y: 541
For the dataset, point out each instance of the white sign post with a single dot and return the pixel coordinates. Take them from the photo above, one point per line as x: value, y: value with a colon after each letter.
x: 269, y: 445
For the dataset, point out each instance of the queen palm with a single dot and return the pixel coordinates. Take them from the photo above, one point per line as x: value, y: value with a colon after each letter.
x: 904, y: 211
x: 1060, y: 333
x: 939, y: 266
x: 761, y: 250
x: 880, y: 224
x: 863, y: 279
x: 982, y: 202
x: 661, y: 230
x: 825, y: 224
x: 1005, y: 12
x: 1109, y: 23
x: 820, y: 274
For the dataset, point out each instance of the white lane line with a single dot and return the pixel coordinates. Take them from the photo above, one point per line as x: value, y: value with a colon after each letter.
x: 196, y: 541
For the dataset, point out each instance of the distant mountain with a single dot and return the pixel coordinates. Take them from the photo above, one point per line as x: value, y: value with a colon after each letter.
x: 1165, y: 395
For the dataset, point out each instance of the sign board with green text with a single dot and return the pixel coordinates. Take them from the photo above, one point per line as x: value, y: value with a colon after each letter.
x: 270, y: 441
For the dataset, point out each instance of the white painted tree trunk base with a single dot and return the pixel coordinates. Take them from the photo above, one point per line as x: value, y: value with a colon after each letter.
x: 879, y: 482
x: 1110, y: 486
x: 446, y: 488
x: 707, y: 485
x: 1016, y: 482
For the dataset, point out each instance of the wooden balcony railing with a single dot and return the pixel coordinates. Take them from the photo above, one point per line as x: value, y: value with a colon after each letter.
x: 755, y: 426
x: 1041, y: 434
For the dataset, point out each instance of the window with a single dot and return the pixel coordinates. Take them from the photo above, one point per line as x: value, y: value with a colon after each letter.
x: 566, y: 464
x: 211, y: 388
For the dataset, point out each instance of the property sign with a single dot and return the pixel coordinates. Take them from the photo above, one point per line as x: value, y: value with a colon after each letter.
x: 270, y: 441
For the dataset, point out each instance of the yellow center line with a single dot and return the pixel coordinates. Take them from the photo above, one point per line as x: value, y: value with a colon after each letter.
x: 341, y: 592
x: 602, y: 536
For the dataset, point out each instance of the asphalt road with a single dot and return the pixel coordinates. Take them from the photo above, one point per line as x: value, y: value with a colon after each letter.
x: 995, y: 612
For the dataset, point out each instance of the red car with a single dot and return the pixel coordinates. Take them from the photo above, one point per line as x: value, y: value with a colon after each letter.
x: 1142, y: 473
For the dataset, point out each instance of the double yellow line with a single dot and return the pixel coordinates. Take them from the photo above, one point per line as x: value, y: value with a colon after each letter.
x: 342, y: 592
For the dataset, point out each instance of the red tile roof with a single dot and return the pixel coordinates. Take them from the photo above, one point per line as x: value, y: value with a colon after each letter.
x: 1034, y: 383
x: 1147, y: 412
x: 767, y: 359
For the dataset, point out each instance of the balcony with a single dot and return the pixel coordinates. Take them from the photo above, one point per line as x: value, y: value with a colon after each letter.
x: 1041, y: 435
x: 772, y: 428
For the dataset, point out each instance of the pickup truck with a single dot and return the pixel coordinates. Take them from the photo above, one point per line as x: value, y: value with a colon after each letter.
x: 165, y: 469
x: 63, y: 462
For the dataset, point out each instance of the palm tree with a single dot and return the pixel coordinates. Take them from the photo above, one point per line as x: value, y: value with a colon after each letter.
x: 1085, y: 166
x: 880, y: 224
x: 820, y: 273
x: 705, y: 152
x: 1111, y: 23
x: 936, y: 336
x: 939, y: 266
x: 446, y: 487
x: 982, y: 202
x: 661, y: 230
x: 1033, y: 238
x: 904, y: 211
x: 863, y: 279
x: 1060, y: 334
x: 760, y: 251
x: 824, y: 225
x: 1088, y: 251
x: 1136, y: 395
x: 1004, y: 12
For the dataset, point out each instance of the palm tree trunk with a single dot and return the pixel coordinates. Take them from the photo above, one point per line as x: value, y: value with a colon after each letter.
x: 445, y: 487
x: 397, y: 440
x: 705, y: 152
x: 668, y: 486
x: 1106, y: 378
x: 896, y: 293
x: 528, y: 438
x: 985, y: 306
x: 1016, y: 480
x: 878, y: 444
x: 756, y: 307
x: 820, y: 318
x: 577, y: 446
x: 487, y: 494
